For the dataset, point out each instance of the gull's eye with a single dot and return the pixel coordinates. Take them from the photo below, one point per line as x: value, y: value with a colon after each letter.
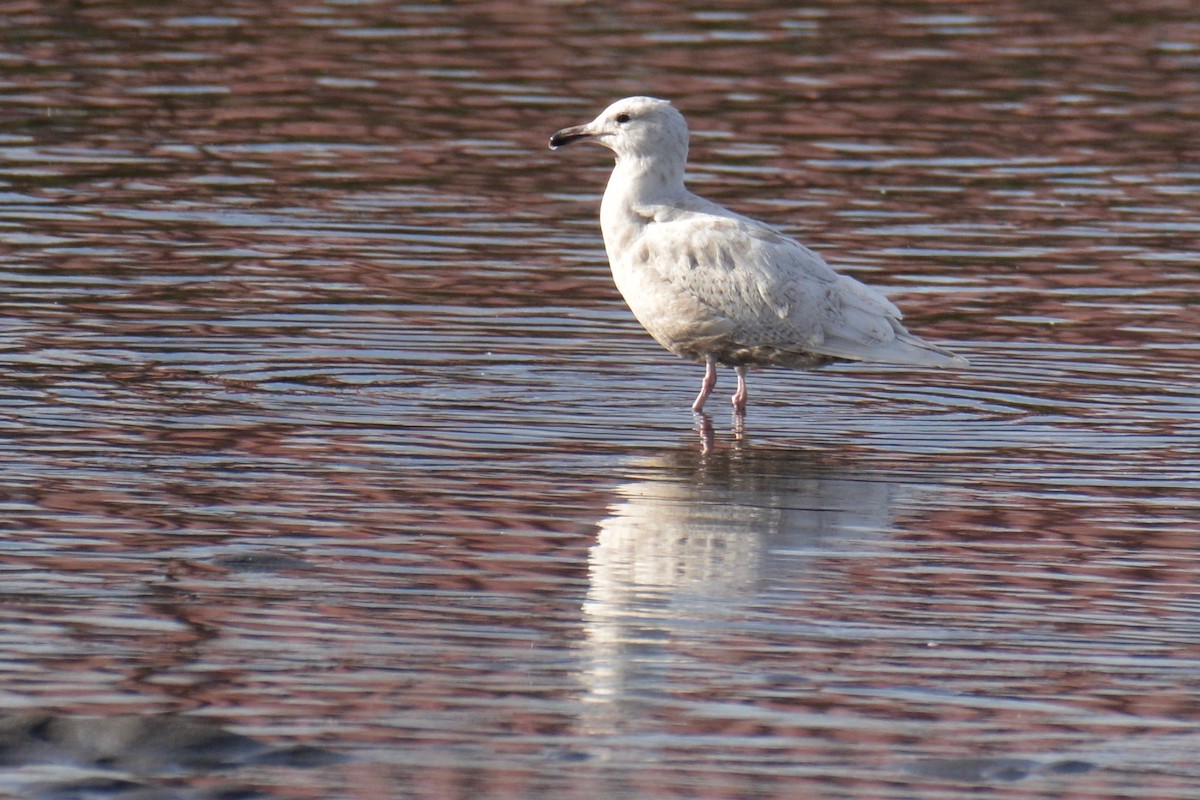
x: 623, y: 118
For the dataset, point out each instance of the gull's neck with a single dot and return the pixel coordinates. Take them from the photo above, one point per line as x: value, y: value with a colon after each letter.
x: 639, y: 180
x: 636, y: 184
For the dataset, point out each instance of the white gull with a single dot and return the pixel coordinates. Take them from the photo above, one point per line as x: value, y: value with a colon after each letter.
x: 716, y: 287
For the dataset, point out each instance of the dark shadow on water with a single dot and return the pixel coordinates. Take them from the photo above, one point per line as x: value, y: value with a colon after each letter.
x: 997, y: 770
x: 136, y: 756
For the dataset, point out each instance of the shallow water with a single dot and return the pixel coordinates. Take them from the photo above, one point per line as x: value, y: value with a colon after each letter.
x: 323, y: 422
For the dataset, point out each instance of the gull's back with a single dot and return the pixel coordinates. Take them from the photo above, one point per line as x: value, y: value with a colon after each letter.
x: 704, y: 281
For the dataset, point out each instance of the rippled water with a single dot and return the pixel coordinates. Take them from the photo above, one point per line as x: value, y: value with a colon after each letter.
x: 323, y: 422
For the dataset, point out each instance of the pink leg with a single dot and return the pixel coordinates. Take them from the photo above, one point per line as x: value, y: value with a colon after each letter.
x: 710, y: 380
x: 741, y: 395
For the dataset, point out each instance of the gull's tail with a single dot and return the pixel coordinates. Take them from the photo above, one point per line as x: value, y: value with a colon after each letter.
x: 915, y: 351
x: 903, y: 349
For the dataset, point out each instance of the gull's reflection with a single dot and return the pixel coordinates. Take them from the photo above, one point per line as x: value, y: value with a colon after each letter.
x: 696, y: 540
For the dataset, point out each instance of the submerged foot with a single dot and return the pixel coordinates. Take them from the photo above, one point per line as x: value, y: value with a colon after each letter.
x: 742, y: 394
x: 706, y: 386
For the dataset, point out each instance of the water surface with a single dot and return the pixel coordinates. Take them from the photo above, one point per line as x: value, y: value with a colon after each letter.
x: 324, y: 425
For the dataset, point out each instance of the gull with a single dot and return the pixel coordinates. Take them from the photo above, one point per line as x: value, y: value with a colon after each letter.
x: 715, y: 287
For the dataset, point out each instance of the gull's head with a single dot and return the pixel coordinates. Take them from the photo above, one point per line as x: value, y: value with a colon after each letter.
x: 636, y: 127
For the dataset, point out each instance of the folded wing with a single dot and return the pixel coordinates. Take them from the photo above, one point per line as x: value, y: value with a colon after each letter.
x: 770, y: 292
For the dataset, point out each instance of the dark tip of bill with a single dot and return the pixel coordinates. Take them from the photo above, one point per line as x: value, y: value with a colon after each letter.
x: 565, y: 137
